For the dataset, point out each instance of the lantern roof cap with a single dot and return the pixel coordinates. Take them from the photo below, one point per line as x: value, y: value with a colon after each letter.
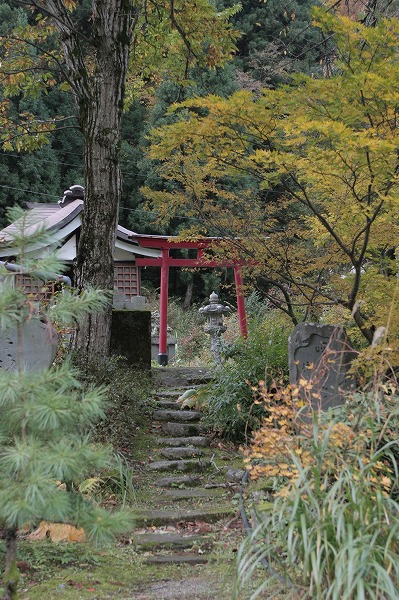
x: 214, y: 306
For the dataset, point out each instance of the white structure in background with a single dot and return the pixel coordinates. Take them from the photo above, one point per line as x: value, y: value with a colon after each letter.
x: 63, y: 221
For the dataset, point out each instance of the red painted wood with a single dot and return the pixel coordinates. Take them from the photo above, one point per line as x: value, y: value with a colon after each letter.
x: 165, y: 261
x: 242, y: 317
x: 163, y: 302
x: 182, y: 262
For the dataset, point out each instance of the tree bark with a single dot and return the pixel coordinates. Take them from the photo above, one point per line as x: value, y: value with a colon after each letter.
x: 98, y: 69
x: 11, y: 574
x: 189, y: 294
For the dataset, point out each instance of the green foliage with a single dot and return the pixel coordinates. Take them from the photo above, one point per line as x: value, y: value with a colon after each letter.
x: 315, y: 198
x: 118, y: 481
x: 161, y: 43
x: 127, y: 408
x: 277, y: 39
x: 42, y: 175
x: 373, y: 414
x: 231, y: 408
x: 187, y: 326
x: 332, y: 530
x: 46, y: 446
x: 44, y: 557
x: 329, y: 538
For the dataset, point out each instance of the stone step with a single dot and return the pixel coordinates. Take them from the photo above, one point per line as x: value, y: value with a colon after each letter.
x: 165, y: 404
x: 153, y: 541
x: 182, y: 416
x: 180, y: 465
x: 181, y: 429
x: 181, y: 377
x: 177, y: 480
x: 171, y: 517
x: 177, y: 559
x: 188, y: 494
x: 166, y: 482
x: 194, y: 440
x: 168, y: 393
x: 176, y: 453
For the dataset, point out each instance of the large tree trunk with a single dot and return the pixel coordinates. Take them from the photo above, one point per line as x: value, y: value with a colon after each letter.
x: 98, y: 81
x: 101, y: 122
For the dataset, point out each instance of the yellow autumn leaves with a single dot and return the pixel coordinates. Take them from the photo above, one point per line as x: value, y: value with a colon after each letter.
x: 285, y: 443
x: 302, y: 180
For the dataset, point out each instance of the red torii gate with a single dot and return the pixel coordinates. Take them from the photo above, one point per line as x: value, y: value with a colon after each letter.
x: 165, y: 261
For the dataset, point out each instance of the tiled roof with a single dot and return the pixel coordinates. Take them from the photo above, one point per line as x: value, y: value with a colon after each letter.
x: 49, y: 216
x: 56, y: 218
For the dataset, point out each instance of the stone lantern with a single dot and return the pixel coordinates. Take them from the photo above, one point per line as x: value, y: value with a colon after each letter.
x: 214, y: 326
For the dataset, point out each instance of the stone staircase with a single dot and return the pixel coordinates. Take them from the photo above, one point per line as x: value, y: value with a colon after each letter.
x: 187, y: 477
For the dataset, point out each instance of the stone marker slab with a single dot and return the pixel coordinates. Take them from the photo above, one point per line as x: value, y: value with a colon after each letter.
x: 321, y: 354
x: 35, y: 345
x: 120, y: 301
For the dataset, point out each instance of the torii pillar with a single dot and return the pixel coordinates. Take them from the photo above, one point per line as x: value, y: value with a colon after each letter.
x: 163, y: 309
x: 163, y: 306
x: 242, y: 316
x: 165, y: 261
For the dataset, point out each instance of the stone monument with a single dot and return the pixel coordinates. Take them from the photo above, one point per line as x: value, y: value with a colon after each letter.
x: 322, y: 355
x: 34, y: 346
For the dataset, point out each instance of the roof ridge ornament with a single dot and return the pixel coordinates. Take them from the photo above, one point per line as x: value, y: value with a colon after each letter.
x: 75, y: 192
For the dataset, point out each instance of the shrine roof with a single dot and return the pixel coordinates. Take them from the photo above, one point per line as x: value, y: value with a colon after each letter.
x: 63, y: 220
x: 53, y: 217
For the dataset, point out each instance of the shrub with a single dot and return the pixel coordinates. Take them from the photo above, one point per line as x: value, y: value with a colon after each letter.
x: 333, y: 528
x: 333, y: 540
x: 231, y: 407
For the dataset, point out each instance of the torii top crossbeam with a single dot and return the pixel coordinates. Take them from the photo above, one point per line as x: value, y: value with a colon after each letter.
x: 165, y: 261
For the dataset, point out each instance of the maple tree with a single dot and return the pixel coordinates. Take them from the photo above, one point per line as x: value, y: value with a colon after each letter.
x: 95, y: 50
x: 301, y: 181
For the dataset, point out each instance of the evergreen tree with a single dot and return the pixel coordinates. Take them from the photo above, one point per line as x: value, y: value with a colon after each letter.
x: 278, y: 39
x: 46, y: 415
x: 41, y: 175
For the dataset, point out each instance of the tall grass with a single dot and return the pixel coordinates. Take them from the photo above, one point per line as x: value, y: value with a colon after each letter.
x: 331, y: 534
